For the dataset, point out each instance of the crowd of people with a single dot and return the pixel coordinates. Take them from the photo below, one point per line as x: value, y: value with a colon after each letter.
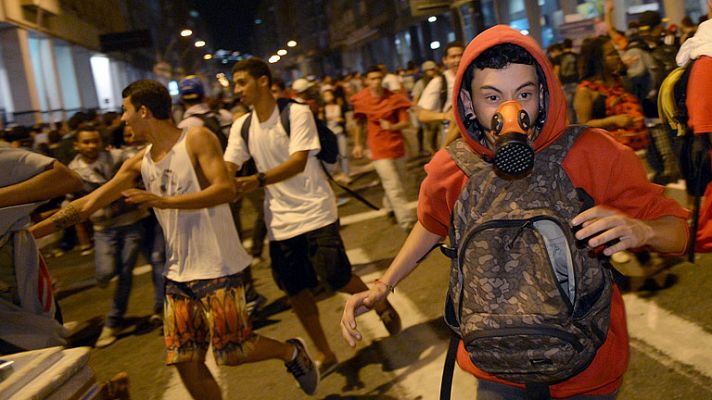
x: 167, y: 181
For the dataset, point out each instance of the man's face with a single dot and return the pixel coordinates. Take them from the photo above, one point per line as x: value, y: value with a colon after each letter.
x: 452, y: 58
x: 431, y: 72
x: 131, y: 116
x: 88, y: 144
x: 247, y: 87
x: 276, y: 91
x: 374, y: 80
x: 492, y: 87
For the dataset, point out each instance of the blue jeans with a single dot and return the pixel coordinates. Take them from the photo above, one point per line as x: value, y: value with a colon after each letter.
x: 153, y: 248
x: 116, y: 250
x: 487, y: 390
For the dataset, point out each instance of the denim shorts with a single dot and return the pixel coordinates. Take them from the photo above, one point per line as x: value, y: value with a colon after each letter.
x: 303, y: 261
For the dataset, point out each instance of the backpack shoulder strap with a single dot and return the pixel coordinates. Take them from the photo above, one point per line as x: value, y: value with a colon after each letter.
x: 463, y: 156
x: 284, y: 107
x: 556, y: 152
x: 680, y: 92
x: 245, y: 130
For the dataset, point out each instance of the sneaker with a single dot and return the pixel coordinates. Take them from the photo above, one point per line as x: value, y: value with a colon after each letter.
x: 107, y: 337
x: 155, y: 319
x: 391, y: 320
x: 303, y: 368
x: 326, y: 368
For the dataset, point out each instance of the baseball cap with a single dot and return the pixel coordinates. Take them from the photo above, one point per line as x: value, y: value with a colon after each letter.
x: 191, y: 87
x: 429, y: 65
x: 301, y: 84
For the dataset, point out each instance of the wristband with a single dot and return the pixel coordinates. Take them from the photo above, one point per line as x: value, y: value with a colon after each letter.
x: 261, y: 179
x: 390, y: 287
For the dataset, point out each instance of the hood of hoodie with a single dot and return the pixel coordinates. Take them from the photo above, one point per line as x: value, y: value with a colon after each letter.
x: 555, y: 123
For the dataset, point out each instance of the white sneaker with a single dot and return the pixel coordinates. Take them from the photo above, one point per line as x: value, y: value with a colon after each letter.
x: 107, y: 337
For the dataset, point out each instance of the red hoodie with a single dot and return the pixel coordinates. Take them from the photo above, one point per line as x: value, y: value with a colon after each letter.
x: 609, y: 172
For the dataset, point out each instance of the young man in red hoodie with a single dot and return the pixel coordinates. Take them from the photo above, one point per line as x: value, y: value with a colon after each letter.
x: 502, y: 65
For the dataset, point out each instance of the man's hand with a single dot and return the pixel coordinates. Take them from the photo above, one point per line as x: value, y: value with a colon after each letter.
x: 601, y: 225
x: 385, y: 124
x: 357, y: 152
x: 356, y: 305
x: 246, y: 184
x: 144, y: 199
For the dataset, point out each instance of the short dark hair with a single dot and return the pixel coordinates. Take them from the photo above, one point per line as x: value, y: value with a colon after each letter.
x: 500, y: 56
x: 374, y: 68
x: 280, y: 83
x: 86, y: 127
x: 255, y: 67
x: 152, y: 94
x: 568, y: 43
x: 452, y: 45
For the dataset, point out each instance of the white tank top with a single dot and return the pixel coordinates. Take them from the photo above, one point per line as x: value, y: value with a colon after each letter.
x: 202, y: 243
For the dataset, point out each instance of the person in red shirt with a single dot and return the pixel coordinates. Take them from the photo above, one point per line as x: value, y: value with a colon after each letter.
x: 699, y: 101
x: 384, y: 114
x: 501, y: 65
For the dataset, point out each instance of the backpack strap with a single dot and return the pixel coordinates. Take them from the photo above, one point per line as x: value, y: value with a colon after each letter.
x: 463, y: 156
x: 283, y: 106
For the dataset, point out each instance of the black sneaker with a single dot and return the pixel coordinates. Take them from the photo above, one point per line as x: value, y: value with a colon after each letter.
x: 303, y: 367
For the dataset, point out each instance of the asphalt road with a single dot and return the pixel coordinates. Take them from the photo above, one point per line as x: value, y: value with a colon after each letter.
x: 671, y: 339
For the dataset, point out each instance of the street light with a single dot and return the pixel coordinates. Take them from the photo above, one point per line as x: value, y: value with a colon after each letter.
x: 432, y: 19
x: 274, y: 59
x: 291, y: 43
x: 186, y: 32
x: 282, y: 52
x: 200, y: 43
x: 207, y: 57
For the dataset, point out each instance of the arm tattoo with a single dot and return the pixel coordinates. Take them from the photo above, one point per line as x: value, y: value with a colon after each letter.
x: 66, y: 217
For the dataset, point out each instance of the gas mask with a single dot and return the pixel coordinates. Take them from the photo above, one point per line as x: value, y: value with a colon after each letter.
x: 513, y: 154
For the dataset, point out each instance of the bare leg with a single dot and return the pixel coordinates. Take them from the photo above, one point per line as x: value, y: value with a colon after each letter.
x: 305, y: 307
x: 199, y: 381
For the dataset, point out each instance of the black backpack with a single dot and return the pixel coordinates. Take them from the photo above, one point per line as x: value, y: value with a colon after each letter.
x: 212, y: 122
x: 327, y: 139
x: 530, y: 303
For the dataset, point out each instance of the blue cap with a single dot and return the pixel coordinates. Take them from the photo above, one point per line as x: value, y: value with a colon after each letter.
x: 191, y: 87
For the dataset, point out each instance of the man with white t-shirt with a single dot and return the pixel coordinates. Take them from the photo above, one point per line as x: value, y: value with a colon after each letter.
x: 300, y: 208
x: 187, y: 186
x: 435, y: 104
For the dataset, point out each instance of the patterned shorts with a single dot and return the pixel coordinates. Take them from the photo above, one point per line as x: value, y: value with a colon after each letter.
x: 207, y: 311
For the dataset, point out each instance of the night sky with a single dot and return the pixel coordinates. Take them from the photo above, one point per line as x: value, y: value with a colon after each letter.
x: 230, y: 22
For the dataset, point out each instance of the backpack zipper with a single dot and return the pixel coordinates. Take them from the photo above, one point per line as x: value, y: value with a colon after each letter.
x: 553, y: 332
x: 502, y: 223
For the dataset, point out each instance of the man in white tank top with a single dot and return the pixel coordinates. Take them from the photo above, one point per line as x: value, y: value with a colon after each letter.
x: 187, y: 185
x: 300, y: 208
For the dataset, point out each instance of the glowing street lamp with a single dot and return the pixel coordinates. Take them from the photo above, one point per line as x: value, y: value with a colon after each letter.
x: 207, y: 57
x: 274, y: 59
x: 200, y: 43
x: 291, y: 43
x: 186, y: 32
x: 282, y: 52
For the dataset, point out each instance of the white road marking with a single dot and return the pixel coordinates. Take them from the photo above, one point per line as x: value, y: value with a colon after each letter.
x: 677, y: 338
x: 419, y: 380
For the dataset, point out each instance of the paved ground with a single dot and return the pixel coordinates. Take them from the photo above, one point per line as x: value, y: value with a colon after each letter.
x: 670, y: 329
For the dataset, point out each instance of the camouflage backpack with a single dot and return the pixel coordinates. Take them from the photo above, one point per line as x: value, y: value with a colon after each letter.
x: 530, y: 303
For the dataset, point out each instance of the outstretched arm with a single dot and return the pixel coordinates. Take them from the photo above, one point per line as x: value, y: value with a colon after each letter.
x: 82, y: 208
x: 54, y: 182
x: 204, y: 148
x: 418, y: 244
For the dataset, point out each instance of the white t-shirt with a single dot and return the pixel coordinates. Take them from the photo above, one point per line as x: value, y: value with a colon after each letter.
x: 190, y: 118
x: 391, y: 82
x: 303, y: 202
x: 430, y: 99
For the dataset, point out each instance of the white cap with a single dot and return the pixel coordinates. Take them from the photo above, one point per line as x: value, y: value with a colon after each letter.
x: 301, y: 85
